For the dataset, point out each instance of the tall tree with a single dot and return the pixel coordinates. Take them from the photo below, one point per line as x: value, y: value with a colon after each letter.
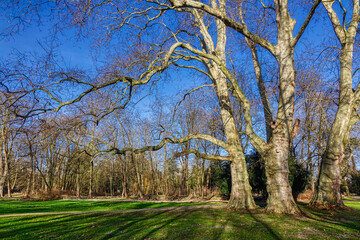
x: 328, y: 187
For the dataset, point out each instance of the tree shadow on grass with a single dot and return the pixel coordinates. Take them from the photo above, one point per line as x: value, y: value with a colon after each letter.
x: 265, y: 225
x: 348, y: 218
x: 142, y: 223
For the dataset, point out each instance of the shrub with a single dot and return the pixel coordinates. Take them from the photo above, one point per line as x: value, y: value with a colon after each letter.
x: 49, y: 195
x: 257, y: 176
x: 298, y: 177
x: 355, y: 183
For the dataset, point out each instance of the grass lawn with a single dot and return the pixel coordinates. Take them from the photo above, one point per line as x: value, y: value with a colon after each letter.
x: 9, y: 207
x: 183, y: 224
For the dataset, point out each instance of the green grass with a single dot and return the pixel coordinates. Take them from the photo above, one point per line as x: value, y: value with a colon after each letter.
x: 9, y: 207
x: 353, y: 204
x: 184, y: 224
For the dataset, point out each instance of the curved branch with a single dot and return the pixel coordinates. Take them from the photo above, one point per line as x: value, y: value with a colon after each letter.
x: 227, y: 21
x: 165, y: 141
x: 238, y: 93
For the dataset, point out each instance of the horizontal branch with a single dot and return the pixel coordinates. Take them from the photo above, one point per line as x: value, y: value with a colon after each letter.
x: 203, y: 155
x: 165, y: 141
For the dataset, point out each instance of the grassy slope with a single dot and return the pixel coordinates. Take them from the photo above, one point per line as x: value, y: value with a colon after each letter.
x: 190, y: 224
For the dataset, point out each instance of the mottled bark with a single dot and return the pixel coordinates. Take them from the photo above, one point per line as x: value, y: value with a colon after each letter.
x: 328, y: 188
x: 280, y: 199
x: 241, y: 195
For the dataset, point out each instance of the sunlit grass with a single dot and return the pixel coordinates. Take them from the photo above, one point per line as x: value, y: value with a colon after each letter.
x: 180, y: 224
x: 206, y: 223
x: 353, y: 204
x: 9, y: 207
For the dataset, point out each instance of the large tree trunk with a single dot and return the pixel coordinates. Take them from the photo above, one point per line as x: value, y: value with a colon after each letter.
x: 328, y: 189
x: 280, y: 199
x: 241, y: 195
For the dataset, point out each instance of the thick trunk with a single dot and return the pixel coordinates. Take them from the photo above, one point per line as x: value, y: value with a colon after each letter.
x: 241, y: 195
x: 280, y: 199
x: 327, y: 192
x: 328, y: 188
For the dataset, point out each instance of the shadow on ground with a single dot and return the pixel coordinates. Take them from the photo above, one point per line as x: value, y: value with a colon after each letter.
x: 191, y: 223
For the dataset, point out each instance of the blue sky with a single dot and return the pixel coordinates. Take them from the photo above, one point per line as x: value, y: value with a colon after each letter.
x: 80, y: 53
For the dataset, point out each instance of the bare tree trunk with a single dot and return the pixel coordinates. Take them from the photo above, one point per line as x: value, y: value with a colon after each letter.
x: 166, y: 192
x: 124, y: 193
x: 208, y: 180
x: 27, y: 191
x: 4, y: 174
x: 328, y: 189
x: 33, y: 184
x: 277, y: 154
x: 137, y: 174
x: 9, y: 187
x: 184, y: 170
x: 280, y: 199
x: 91, y: 173
x: 15, y: 180
x: 241, y: 195
x: 202, y: 187
x: 77, y: 184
